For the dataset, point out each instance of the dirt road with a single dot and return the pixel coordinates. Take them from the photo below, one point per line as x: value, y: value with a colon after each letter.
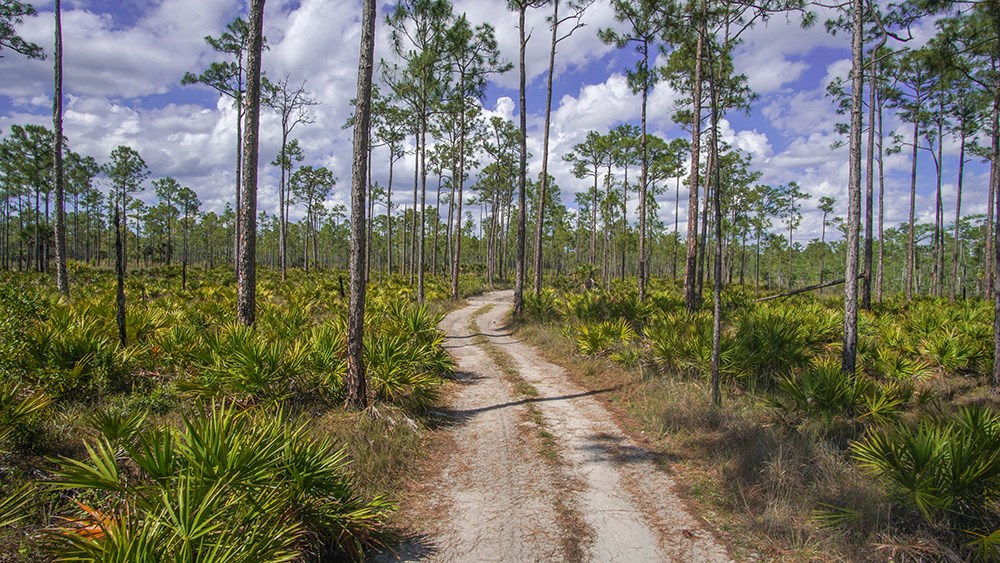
x: 537, y: 469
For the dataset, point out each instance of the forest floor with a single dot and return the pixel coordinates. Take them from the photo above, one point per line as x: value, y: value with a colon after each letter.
x: 527, y: 466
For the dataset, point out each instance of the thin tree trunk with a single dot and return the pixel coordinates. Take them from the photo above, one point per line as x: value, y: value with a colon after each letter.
x: 62, y: 274
x: 958, y: 212
x: 643, y: 176
x: 388, y: 217
x: 522, y: 171
x: 246, y: 279
x: 457, y: 258
x: 357, y: 395
x: 593, y: 223
x: 282, y: 229
x: 423, y: 204
x: 850, y: 346
x: 120, y: 287
x: 691, y: 296
x: 880, y: 276
x: 416, y: 188
x: 714, y: 171
x: 544, y: 180
x: 866, y: 283
x: 910, y: 247
x: 991, y: 199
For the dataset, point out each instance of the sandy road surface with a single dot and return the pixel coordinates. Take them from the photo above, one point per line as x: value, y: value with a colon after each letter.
x: 500, y: 495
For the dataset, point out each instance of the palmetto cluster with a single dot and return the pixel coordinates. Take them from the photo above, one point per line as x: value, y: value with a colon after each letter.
x: 200, y: 446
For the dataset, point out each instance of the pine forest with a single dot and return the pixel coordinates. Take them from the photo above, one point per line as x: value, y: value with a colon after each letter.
x: 523, y: 280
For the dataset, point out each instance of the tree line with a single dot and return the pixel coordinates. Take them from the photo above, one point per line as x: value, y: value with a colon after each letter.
x: 429, y: 108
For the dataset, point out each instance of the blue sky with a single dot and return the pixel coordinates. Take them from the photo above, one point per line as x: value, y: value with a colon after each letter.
x: 125, y: 59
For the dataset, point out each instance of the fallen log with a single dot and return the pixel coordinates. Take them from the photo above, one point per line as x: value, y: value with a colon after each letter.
x: 806, y: 289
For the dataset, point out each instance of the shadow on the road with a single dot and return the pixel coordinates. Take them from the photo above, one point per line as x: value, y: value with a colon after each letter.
x: 475, y: 334
x: 467, y: 413
x: 410, y: 547
x: 602, y: 446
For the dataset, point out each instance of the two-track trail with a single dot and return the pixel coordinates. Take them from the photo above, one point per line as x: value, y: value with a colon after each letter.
x: 536, y: 469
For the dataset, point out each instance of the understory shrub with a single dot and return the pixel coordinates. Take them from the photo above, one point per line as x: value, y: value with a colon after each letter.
x: 230, y: 485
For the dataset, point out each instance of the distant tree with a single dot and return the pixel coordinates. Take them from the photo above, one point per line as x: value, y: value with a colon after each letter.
x: 127, y: 171
x: 914, y: 80
x: 188, y: 201
x: 587, y: 159
x: 292, y: 104
x: 826, y: 206
x: 645, y: 22
x: 789, y: 206
x: 229, y: 78
x: 473, y: 55
x: 311, y: 187
x: 167, y: 191
x: 418, y: 30
x: 573, y: 22
x: 625, y: 142
x: 12, y: 13
x: 521, y: 7
x: 390, y: 123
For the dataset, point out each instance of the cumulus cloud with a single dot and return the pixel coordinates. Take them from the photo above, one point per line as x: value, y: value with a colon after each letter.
x: 123, y: 69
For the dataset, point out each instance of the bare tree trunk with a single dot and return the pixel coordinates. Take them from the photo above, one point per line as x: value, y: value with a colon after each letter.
x: 522, y: 172
x: 866, y: 287
x: 423, y: 205
x: 936, y: 247
x: 850, y: 348
x: 593, y: 223
x: 120, y: 287
x: 691, y: 296
x: 881, y: 212
x: 357, y: 395
x: 644, y: 176
x: 992, y: 197
x: 958, y: 212
x: 282, y: 186
x: 544, y: 181
x: 457, y: 258
x: 416, y: 187
x: 246, y: 279
x: 910, y: 249
x: 388, y: 217
x: 62, y: 274
x: 714, y: 172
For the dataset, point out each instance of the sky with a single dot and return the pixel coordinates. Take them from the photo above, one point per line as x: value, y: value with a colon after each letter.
x: 124, y: 60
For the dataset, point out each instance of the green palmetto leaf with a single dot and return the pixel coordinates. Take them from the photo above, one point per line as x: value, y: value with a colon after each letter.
x: 101, y: 473
x: 986, y: 546
x: 155, y: 454
x: 190, y: 510
x: 116, y: 426
x: 12, y: 505
x: 832, y: 516
x: 16, y: 409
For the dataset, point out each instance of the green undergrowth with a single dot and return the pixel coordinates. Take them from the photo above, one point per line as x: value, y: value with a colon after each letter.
x: 201, y: 439
x: 898, y: 460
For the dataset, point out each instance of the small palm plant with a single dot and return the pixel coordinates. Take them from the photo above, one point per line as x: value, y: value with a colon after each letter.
x: 231, y: 485
x: 245, y: 364
x: 17, y: 407
x: 769, y: 344
x: 948, y: 469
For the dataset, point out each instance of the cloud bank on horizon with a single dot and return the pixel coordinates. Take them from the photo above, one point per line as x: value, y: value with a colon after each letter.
x: 124, y: 62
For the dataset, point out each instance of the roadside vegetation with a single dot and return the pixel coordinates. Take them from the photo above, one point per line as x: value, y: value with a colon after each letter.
x: 896, y: 461
x: 172, y: 445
